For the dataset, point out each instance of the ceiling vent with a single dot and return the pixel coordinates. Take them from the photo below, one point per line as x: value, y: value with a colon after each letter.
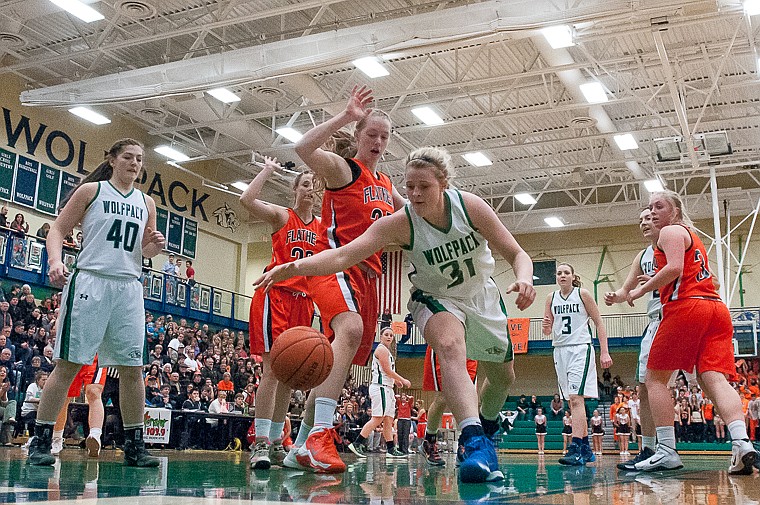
x: 135, y: 9
x: 270, y: 92
x: 154, y: 114
x: 12, y: 40
x: 582, y: 124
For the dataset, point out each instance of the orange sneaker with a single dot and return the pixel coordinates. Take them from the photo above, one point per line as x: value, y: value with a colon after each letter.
x: 319, y: 452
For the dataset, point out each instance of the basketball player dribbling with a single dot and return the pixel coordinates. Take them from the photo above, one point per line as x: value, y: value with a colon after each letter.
x: 449, y: 235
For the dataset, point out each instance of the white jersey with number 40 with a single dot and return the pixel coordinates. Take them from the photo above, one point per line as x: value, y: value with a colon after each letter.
x: 455, y: 262
x: 571, y: 326
x: 112, y: 232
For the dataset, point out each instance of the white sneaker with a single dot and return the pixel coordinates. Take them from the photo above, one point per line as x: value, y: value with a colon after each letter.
x: 664, y: 458
x: 277, y: 453
x: 93, y: 446
x: 290, y: 460
x: 57, y: 446
x: 743, y: 458
x: 260, y: 456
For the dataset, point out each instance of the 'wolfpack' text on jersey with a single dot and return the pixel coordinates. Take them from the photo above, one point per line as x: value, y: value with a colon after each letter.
x: 571, y: 325
x: 112, y: 231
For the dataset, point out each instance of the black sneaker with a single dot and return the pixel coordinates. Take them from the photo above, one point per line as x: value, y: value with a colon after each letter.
x: 430, y: 451
x: 359, y: 449
x: 135, y: 454
x: 39, y: 451
x: 630, y: 465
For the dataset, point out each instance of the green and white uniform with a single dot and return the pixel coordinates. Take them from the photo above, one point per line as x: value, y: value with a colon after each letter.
x: 102, y: 309
x: 381, y: 388
x: 654, y: 311
x: 451, y: 272
x: 574, y: 357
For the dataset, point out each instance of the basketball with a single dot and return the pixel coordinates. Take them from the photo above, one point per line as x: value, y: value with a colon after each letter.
x: 301, y: 358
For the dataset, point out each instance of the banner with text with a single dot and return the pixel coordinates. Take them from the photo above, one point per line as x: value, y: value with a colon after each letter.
x: 33, y: 184
x: 158, y: 425
x: 519, y: 329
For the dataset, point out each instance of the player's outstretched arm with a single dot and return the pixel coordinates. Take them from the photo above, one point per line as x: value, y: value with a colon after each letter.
x: 634, y: 274
x: 393, y: 229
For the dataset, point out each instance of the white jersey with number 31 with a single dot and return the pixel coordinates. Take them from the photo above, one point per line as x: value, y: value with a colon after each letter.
x: 112, y: 232
x: 454, y: 262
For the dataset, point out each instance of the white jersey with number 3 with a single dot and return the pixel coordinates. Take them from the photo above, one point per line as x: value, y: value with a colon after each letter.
x: 571, y: 326
x: 455, y: 262
x: 112, y: 232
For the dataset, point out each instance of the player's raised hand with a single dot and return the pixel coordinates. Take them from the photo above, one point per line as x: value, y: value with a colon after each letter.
x: 358, y: 104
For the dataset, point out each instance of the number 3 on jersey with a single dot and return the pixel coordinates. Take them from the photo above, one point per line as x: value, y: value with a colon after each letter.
x: 126, y: 239
x: 566, y: 327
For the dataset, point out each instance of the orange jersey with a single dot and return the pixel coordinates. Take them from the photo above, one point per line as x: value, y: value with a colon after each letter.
x: 695, y: 281
x: 348, y: 211
x: 293, y: 241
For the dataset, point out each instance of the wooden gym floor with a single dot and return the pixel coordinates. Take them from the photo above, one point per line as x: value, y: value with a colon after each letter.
x: 206, y: 477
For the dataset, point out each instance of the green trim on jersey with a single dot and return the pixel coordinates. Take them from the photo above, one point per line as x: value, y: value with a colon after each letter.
x: 427, y: 300
x: 447, y: 201
x: 383, y: 401
x: 65, y: 334
x: 510, y: 351
x: 585, y: 370
x: 464, y: 208
x: 122, y: 194
x: 559, y: 291
x: 411, y: 230
x: 93, y: 198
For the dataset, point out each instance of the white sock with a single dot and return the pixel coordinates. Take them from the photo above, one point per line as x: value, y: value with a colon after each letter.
x: 470, y: 421
x: 275, y: 432
x: 666, y: 435
x: 57, y: 434
x: 738, y: 430
x: 324, y: 412
x: 303, y: 434
x: 96, y: 432
x: 650, y: 442
x: 262, y: 427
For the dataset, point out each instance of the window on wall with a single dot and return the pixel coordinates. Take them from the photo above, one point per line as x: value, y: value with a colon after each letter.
x: 544, y: 272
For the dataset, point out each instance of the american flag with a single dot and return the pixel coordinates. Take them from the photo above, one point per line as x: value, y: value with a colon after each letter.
x: 389, y: 283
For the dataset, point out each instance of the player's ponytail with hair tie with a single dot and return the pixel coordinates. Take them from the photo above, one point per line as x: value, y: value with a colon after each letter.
x: 576, y: 281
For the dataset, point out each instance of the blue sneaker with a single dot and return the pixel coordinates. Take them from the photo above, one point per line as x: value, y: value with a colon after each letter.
x: 587, y: 454
x: 573, y: 456
x: 480, y: 463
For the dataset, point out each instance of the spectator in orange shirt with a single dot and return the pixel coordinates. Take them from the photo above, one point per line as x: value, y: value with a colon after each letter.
x: 226, y: 383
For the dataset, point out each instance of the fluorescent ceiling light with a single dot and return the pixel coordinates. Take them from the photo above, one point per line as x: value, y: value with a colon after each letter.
x: 477, y: 159
x: 559, y: 36
x: 371, y: 66
x: 525, y: 199
x: 427, y: 116
x: 653, y: 185
x: 80, y: 10
x: 554, y: 222
x: 752, y: 7
x: 172, y: 154
x: 242, y: 186
x: 626, y: 142
x: 289, y: 133
x: 224, y: 95
x: 594, y: 92
x: 89, y: 115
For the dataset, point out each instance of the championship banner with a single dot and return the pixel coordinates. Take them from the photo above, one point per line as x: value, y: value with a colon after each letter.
x: 519, y: 329
x: 158, y: 424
